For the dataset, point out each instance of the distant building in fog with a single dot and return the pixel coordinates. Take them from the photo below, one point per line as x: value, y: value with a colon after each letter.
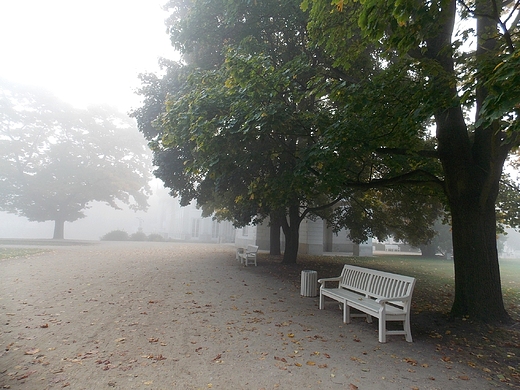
x: 316, y: 238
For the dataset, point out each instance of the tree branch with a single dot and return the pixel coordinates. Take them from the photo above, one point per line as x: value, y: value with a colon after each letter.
x: 416, y: 177
x: 408, y: 152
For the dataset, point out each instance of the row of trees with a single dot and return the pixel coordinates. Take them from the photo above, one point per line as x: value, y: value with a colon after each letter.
x: 55, y: 160
x: 288, y: 110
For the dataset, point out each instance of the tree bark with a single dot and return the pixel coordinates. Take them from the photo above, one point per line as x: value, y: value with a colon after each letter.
x: 291, y: 230
x: 275, y: 248
x: 478, y: 291
x: 59, y: 229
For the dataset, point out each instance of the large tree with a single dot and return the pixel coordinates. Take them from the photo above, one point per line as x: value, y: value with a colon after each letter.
x: 453, y: 77
x: 241, y: 126
x: 56, y: 160
x: 236, y: 135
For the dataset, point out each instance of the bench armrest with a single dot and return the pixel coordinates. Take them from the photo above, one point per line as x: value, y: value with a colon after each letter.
x: 322, y: 281
x: 400, y: 299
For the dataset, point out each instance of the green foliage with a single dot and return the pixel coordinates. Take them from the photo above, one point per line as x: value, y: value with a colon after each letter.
x: 508, y: 212
x: 264, y: 121
x: 115, y: 235
x: 403, y: 212
x: 137, y: 236
x: 503, y: 101
x: 155, y: 237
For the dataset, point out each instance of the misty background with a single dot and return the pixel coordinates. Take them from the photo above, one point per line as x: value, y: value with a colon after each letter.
x: 86, y: 54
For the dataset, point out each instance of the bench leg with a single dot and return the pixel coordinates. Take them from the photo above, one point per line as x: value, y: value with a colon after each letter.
x: 407, y: 330
x: 382, y: 329
x: 322, y: 301
x: 346, y: 313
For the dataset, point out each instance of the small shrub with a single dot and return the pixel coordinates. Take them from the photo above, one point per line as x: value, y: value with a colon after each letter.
x: 138, y: 236
x: 115, y: 235
x: 155, y: 237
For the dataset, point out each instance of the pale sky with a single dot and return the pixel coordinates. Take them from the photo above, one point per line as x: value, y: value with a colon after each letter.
x: 84, y: 52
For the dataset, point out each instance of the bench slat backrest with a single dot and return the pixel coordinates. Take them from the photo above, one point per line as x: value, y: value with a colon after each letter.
x: 252, y: 249
x: 376, y: 284
x: 355, y: 279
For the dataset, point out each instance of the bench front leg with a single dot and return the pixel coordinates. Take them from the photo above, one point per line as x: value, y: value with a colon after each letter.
x: 346, y: 312
x: 382, y: 325
x: 407, y: 328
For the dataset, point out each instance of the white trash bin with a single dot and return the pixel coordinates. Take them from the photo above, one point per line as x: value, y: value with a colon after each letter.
x: 309, y: 283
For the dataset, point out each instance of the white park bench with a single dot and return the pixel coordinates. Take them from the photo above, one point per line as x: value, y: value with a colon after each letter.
x: 379, y: 294
x: 392, y: 248
x: 247, y: 256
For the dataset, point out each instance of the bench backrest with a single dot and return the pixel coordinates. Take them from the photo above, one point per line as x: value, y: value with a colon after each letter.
x: 376, y: 284
x: 252, y: 249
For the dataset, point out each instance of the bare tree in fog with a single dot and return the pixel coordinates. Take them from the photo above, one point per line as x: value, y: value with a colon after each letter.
x: 56, y: 160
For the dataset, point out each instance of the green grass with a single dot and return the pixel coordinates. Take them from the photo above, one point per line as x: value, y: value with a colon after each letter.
x: 7, y: 253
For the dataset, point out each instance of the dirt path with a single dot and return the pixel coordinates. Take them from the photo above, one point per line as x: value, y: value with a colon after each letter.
x: 187, y: 316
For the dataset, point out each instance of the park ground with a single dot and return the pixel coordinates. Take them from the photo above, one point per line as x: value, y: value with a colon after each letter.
x: 141, y: 315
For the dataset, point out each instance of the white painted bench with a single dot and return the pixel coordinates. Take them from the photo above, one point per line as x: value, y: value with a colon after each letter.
x: 379, y: 294
x: 392, y: 248
x: 247, y: 256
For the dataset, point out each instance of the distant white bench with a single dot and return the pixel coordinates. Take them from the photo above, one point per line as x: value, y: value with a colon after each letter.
x: 379, y: 294
x: 392, y: 248
x: 247, y: 256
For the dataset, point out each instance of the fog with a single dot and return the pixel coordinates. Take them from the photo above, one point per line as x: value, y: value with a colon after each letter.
x: 85, y: 54
x: 100, y: 219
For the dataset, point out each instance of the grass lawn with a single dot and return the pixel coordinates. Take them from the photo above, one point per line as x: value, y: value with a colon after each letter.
x: 493, y: 349
x: 6, y: 253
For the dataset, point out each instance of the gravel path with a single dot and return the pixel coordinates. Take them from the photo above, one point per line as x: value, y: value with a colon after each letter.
x: 188, y: 316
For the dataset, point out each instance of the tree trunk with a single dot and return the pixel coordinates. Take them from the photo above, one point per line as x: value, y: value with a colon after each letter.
x: 471, y: 185
x: 478, y: 290
x: 291, y: 230
x: 275, y: 248
x: 428, y: 251
x: 59, y: 229
x: 355, y: 250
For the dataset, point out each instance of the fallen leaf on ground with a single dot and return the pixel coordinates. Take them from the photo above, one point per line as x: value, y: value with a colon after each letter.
x: 410, y: 361
x: 33, y: 351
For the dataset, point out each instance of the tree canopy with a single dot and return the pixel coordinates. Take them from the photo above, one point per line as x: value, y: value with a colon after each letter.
x: 249, y: 125
x: 56, y: 160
